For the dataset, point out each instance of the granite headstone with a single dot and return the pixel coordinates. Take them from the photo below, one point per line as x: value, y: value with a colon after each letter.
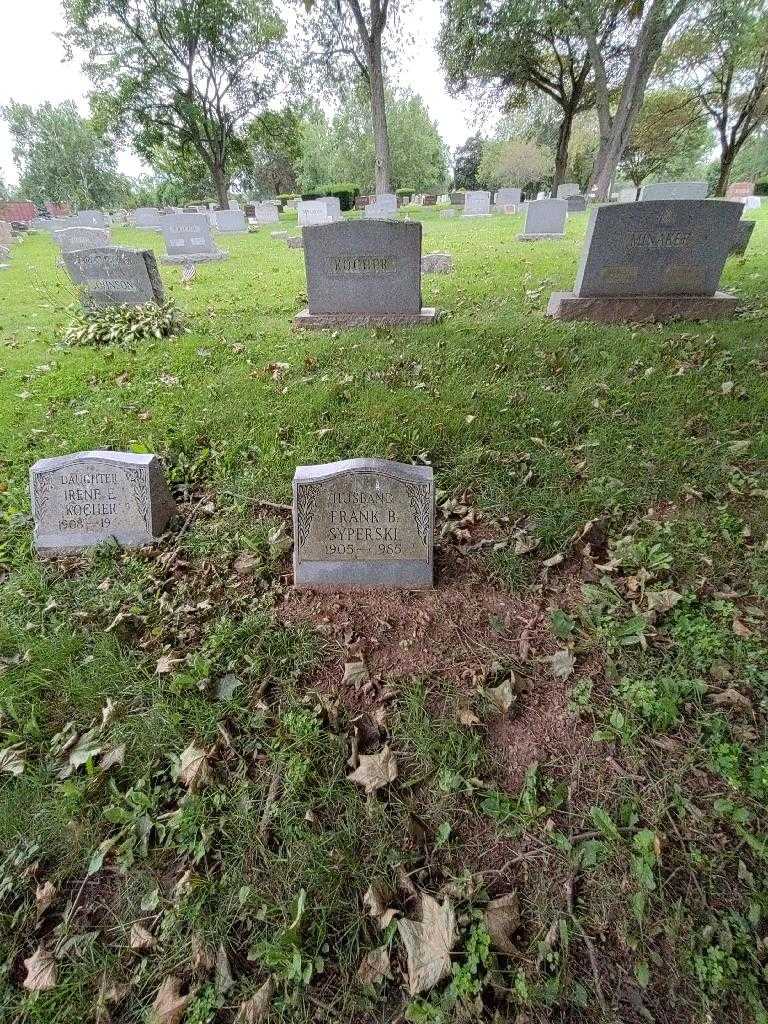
x: 544, y: 218
x: 188, y: 239
x: 113, y: 276
x: 363, y: 272
x: 363, y: 523
x: 70, y: 239
x: 86, y: 498
x: 674, y: 190
x: 231, y: 222
x: 568, y: 188
x: 477, y: 204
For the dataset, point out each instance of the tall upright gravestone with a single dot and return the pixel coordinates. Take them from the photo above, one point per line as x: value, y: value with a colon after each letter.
x: 86, y: 498
x: 363, y: 273
x: 363, y: 523
x: 655, y: 260
x: 114, y: 276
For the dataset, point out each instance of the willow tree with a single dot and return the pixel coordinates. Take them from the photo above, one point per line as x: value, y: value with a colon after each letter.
x: 184, y: 74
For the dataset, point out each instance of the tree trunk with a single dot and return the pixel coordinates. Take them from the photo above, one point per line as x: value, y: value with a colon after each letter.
x: 727, y: 156
x: 222, y: 186
x: 379, y: 116
x: 561, y: 154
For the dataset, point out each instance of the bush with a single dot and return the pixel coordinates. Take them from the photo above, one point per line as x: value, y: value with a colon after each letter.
x: 124, y: 325
x: 404, y: 193
x: 345, y: 193
x: 286, y: 197
x: 761, y: 187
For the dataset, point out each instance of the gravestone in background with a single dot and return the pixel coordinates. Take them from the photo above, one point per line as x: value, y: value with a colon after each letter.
x: 674, y: 190
x: 576, y: 204
x: 313, y: 211
x: 508, y: 197
x: 436, y: 263
x: 363, y: 523
x: 477, y: 204
x: 457, y: 198
x: 740, y: 190
x: 90, y: 219
x: 231, y: 222
x: 544, y: 218
x: 627, y: 195
x: 568, y: 188
x: 83, y: 499
x: 146, y: 217
x: 114, y: 276
x: 265, y: 213
x: 6, y: 233
x: 363, y: 272
x: 188, y: 239
x: 752, y: 203
x: 744, y: 229
x: 384, y: 206
x: 655, y: 260
x: 5, y: 253
x: 74, y: 238
x: 430, y: 199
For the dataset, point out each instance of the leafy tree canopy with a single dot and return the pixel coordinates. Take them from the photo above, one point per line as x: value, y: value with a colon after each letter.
x: 669, y: 137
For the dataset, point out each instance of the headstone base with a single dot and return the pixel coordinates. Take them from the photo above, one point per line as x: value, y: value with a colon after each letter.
x: 197, y: 257
x: 474, y: 216
x: 616, y: 309
x: 537, y: 238
x: 305, y: 319
x: 343, y: 577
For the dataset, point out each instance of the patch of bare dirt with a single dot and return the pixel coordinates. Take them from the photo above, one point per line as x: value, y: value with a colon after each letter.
x: 452, y: 634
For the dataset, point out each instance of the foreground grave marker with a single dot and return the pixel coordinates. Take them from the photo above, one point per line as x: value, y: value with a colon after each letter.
x: 113, y: 276
x: 655, y: 260
x: 363, y: 523
x: 363, y: 273
x: 83, y: 499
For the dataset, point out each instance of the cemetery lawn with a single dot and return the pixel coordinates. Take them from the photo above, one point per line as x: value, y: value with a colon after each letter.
x: 576, y: 714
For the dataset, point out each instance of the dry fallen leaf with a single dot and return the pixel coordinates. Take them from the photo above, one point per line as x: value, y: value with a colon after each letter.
x: 12, y: 760
x: 223, y: 980
x: 141, y: 940
x: 741, y: 628
x: 256, y: 1009
x: 41, y: 971
x: 375, y: 770
x: 44, y: 896
x: 563, y: 663
x: 165, y: 664
x: 502, y: 919
x: 429, y: 943
x: 467, y: 717
x: 193, y: 767
x: 170, y: 1004
x: 731, y: 698
x: 376, y: 902
x: 246, y: 563
x: 662, y: 600
x: 503, y: 696
x: 374, y: 967
x: 112, y: 758
x: 355, y: 672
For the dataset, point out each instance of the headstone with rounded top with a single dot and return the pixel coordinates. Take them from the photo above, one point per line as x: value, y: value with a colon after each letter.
x: 363, y: 523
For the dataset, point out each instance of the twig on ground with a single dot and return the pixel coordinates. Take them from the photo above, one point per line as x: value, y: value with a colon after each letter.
x: 276, y: 505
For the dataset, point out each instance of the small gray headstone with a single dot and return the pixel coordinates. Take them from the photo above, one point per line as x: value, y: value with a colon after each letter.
x: 436, y: 263
x: 6, y: 232
x: 266, y: 213
x: 278, y: 234
x: 674, y: 190
x: 86, y: 498
x: 188, y: 239
x: 568, y: 188
x: 90, y: 219
x: 113, y: 276
x: 71, y: 239
x: 508, y: 197
x: 295, y: 242
x: 146, y: 217
x: 363, y: 271
x: 477, y: 204
x: 658, y: 247
x: 363, y: 523
x: 314, y: 212
x: 544, y: 218
x: 447, y: 214
x: 231, y: 222
x: 576, y: 204
x: 744, y: 229
x: 752, y: 203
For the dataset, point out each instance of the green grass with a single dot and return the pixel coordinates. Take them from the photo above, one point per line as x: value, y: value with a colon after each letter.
x: 640, y: 856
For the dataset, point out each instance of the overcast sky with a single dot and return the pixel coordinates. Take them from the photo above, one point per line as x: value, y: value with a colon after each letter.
x: 31, y: 71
